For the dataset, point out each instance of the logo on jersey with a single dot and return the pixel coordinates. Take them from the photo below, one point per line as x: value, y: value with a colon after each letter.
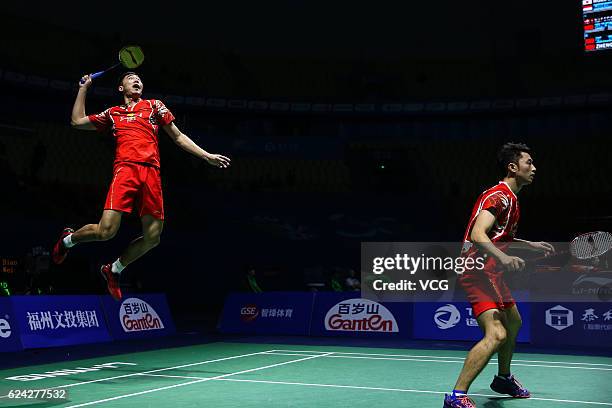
x: 504, y: 200
x: 130, y: 117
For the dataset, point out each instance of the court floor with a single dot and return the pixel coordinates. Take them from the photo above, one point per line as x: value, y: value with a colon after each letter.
x: 242, y: 375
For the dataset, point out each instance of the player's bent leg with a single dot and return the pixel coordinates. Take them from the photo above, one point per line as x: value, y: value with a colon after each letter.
x: 513, y: 323
x: 151, y: 233
x: 490, y: 322
x: 504, y: 382
x: 103, y: 231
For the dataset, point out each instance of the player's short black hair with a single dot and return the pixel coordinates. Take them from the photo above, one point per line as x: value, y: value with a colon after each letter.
x: 120, y: 80
x: 510, y: 153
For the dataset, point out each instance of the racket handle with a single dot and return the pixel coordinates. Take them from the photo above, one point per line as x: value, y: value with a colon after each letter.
x: 93, y: 76
x: 534, y: 261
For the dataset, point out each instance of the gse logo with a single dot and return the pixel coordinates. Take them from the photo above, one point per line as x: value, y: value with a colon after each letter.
x: 5, y: 329
x: 248, y: 313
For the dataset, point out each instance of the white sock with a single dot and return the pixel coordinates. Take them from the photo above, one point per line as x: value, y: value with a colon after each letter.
x: 117, y: 266
x: 68, y: 241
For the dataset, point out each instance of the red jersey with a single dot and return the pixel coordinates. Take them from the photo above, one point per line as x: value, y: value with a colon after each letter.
x: 135, y: 129
x: 486, y: 289
x: 503, y: 204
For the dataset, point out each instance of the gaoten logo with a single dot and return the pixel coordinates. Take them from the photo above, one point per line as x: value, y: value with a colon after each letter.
x: 447, y: 316
x: 137, y: 315
x: 360, y: 315
x: 249, y: 313
x: 5, y: 329
x: 559, y: 317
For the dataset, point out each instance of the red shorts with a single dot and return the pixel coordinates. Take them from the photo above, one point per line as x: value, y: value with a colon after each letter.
x: 136, y: 186
x: 486, y: 290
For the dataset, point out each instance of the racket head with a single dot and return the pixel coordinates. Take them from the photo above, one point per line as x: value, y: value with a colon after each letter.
x: 131, y: 56
x: 591, y: 244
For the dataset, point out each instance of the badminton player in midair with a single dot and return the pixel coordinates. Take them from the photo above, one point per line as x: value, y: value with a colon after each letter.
x: 491, y: 228
x: 136, y: 182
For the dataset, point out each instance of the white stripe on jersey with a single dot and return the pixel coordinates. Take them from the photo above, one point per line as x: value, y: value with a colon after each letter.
x: 507, y: 221
x: 113, y: 187
x: 504, y: 199
x: 110, y: 115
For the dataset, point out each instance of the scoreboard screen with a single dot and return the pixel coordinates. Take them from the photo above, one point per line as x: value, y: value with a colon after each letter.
x: 597, y: 22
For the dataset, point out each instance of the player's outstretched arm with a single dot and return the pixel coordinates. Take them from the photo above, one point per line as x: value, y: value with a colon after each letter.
x: 478, y: 235
x: 189, y: 146
x: 542, y: 246
x: 79, y: 119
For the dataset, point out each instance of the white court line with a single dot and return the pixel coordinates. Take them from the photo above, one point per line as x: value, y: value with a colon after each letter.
x: 440, y: 357
x: 150, y: 371
x: 196, y: 381
x: 493, y: 362
x: 405, y: 390
x: 381, y: 389
x: 172, y: 376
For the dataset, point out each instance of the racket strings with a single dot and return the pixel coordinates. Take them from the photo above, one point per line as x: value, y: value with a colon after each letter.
x: 131, y: 56
x: 591, y: 245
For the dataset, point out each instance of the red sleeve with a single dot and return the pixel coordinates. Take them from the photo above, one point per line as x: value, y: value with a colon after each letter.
x: 495, y: 204
x: 102, y: 120
x: 162, y: 114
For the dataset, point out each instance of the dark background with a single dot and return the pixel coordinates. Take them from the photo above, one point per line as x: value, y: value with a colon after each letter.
x: 305, y: 188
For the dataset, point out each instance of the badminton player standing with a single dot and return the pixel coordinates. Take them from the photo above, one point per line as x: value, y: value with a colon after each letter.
x: 136, y: 179
x: 494, y: 219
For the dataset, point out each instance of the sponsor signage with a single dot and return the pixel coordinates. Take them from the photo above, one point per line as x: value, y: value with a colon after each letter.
x: 559, y: 317
x: 347, y: 314
x: 142, y: 315
x: 267, y: 313
x: 456, y: 321
x: 360, y: 315
x: 48, y: 321
x: 572, y: 324
x: 9, y: 334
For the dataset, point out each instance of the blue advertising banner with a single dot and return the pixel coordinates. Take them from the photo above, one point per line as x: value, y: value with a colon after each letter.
x: 9, y: 333
x: 347, y: 314
x: 455, y: 321
x: 572, y: 324
x: 138, y: 315
x: 267, y: 313
x: 49, y: 321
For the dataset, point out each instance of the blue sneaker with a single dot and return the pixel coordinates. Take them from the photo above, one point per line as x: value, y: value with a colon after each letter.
x: 509, y: 386
x: 462, y: 401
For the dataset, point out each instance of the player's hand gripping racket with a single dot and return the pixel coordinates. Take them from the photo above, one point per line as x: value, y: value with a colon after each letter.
x: 130, y: 57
